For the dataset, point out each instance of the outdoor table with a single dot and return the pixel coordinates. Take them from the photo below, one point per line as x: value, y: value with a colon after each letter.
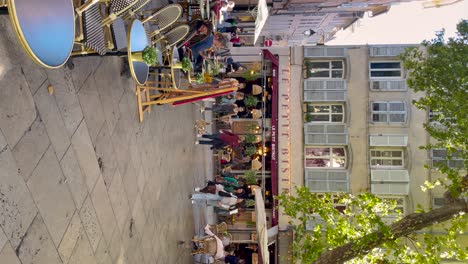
x: 137, y: 40
x: 45, y: 29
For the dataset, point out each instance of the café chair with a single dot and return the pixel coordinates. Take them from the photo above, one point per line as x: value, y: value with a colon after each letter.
x: 92, y: 38
x: 162, y: 18
x: 134, y: 9
x: 173, y: 36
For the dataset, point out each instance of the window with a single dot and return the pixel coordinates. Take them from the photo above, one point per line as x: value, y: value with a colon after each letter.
x: 325, y: 157
x: 438, y: 202
x: 324, y: 69
x: 400, y: 204
x: 386, y: 69
x: 386, y: 158
x: 439, y: 156
x: 327, y: 180
x: 388, y: 112
x: 324, y: 113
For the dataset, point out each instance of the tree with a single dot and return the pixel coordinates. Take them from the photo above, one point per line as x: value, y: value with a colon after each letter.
x: 359, y: 230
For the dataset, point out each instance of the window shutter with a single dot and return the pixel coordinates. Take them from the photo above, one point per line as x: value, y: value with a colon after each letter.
x: 324, y: 90
x: 388, y: 85
x: 325, y: 134
x: 389, y: 140
x: 386, y: 51
x: 314, y: 52
x: 327, y: 180
x: 310, y: 84
x: 390, y: 182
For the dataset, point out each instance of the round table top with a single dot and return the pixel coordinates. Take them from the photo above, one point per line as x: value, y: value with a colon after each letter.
x: 137, y: 41
x: 46, y: 29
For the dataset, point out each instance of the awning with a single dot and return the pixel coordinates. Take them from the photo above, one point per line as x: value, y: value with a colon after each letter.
x: 262, y: 228
x: 262, y: 16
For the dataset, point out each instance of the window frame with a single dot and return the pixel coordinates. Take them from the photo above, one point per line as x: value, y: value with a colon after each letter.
x: 329, y: 69
x: 388, y: 112
x: 404, y: 205
x: 400, y: 69
x: 445, y: 159
x: 402, y: 158
x: 330, y: 113
x: 329, y: 157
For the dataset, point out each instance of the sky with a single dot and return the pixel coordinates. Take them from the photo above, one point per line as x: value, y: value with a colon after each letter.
x: 405, y: 23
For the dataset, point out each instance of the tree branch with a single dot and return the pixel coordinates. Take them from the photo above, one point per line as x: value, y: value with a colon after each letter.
x: 403, y: 227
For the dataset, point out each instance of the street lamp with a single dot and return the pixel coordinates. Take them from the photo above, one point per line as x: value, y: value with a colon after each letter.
x: 309, y: 32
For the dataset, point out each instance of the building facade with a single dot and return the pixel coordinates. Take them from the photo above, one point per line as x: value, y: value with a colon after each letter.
x: 346, y: 123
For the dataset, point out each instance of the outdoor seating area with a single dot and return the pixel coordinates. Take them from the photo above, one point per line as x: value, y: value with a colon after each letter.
x: 177, y: 54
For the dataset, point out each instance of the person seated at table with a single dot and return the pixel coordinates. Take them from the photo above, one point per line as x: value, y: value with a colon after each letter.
x: 199, y: 50
x: 233, y: 66
x: 200, y: 29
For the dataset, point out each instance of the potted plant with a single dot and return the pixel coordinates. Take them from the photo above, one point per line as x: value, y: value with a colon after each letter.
x: 185, y: 65
x: 308, y: 118
x: 149, y: 55
x: 250, y: 150
x: 249, y: 138
x: 250, y: 177
x: 250, y: 101
x: 250, y: 75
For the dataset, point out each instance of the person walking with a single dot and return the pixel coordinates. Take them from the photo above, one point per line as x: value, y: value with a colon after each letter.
x: 221, y: 140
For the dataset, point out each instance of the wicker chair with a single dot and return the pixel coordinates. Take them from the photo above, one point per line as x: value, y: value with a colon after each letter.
x: 162, y: 18
x: 173, y: 36
x: 92, y: 38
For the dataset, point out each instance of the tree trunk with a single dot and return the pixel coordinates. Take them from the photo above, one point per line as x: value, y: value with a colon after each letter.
x: 403, y: 227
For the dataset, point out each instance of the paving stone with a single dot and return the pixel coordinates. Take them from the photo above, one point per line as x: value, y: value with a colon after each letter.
x: 119, y: 201
x: 86, y: 156
x: 102, y: 253
x: 8, y: 256
x: 92, y: 108
x: 31, y: 147
x: 74, y: 177
x: 3, y: 238
x: 74, y: 231
x: 83, y: 69
x: 17, y: 110
x: 47, y: 186
x: 83, y: 252
x: 17, y: 208
x: 115, y: 246
x: 106, y: 155
x: 130, y: 184
x: 37, y: 246
x: 139, y: 216
x: 141, y: 180
x: 3, y: 142
x: 66, y: 97
x: 91, y: 224
x: 104, y: 211
x: 52, y: 119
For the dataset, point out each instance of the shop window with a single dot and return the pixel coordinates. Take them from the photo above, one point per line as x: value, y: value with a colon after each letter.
x: 325, y: 157
x: 387, y: 158
x: 388, y: 112
x: 329, y: 113
x: 325, y: 69
x: 385, y: 69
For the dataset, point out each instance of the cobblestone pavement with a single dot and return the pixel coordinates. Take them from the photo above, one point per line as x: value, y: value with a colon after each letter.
x: 81, y: 180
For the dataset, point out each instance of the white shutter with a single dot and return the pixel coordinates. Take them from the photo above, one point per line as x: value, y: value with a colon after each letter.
x: 388, y: 140
x: 388, y: 85
x: 327, y: 180
x: 314, y: 52
x: 386, y: 51
x: 390, y: 182
x: 310, y: 84
x: 324, y: 90
x: 325, y: 134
